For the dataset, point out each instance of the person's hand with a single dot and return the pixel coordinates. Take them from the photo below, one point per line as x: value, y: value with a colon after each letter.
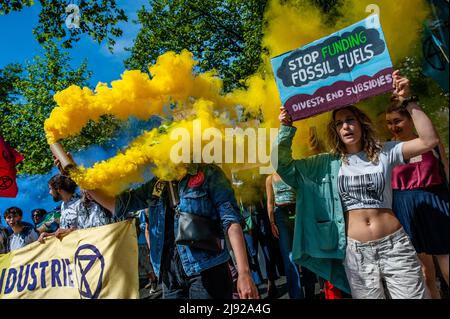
x: 274, y: 229
x: 42, y: 237
x: 284, y: 117
x: 401, y: 85
x: 57, y: 163
x: 246, y: 287
x: 61, y: 233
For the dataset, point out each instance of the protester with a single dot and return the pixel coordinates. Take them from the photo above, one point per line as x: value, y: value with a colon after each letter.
x: 37, y: 215
x: 250, y: 243
x: 281, y: 210
x: 267, y: 242
x: 249, y: 188
x: 205, y: 196
x: 421, y: 199
x: 62, y: 188
x: 359, y: 170
x: 77, y: 212
x: 90, y: 213
x: 22, y: 234
x: 50, y: 222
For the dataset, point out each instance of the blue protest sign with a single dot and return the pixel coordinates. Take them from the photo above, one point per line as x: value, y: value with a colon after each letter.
x: 340, y: 69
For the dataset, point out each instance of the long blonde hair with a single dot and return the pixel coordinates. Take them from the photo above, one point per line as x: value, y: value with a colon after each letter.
x: 370, y: 143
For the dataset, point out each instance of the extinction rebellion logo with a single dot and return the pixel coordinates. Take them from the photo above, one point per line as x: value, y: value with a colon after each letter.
x: 90, y: 264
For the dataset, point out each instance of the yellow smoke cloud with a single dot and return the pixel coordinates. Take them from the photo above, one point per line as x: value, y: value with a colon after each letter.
x: 252, y: 189
x: 151, y: 148
x: 134, y: 95
x: 173, y: 81
x: 290, y: 25
x: 401, y: 22
x: 297, y: 23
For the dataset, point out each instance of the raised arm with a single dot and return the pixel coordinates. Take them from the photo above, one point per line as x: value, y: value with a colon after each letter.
x: 128, y: 201
x: 285, y: 163
x: 428, y: 137
x: 106, y: 201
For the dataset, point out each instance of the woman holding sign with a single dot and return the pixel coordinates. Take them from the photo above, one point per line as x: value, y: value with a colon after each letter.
x: 354, y: 182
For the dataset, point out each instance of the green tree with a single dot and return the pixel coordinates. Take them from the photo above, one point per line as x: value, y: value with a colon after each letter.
x: 29, y: 101
x: 224, y: 35
x: 98, y: 19
x: 14, y: 5
x: 8, y: 78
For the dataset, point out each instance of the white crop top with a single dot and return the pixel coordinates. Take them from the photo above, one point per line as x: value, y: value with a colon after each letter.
x: 362, y: 184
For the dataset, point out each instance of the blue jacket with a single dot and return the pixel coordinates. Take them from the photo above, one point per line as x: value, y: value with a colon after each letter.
x: 319, y: 236
x: 213, y: 198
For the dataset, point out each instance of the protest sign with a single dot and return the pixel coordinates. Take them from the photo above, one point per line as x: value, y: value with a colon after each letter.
x: 340, y: 69
x: 93, y: 263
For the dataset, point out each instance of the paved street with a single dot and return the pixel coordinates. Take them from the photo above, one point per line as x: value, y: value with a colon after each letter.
x: 280, y: 283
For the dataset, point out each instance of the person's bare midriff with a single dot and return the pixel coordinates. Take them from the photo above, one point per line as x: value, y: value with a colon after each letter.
x: 370, y: 224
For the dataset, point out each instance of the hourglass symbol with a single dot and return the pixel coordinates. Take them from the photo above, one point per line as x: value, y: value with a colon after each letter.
x: 73, y: 19
x: 374, y: 20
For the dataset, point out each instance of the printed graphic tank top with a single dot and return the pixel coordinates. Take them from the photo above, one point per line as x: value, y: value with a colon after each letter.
x: 363, y: 184
x: 284, y: 194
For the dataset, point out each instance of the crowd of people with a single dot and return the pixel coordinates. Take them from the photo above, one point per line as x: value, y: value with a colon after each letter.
x: 367, y: 220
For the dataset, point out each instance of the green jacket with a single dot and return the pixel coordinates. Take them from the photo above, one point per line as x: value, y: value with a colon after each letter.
x: 319, y: 236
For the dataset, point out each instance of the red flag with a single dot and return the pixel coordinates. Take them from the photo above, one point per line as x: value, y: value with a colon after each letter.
x: 9, y: 158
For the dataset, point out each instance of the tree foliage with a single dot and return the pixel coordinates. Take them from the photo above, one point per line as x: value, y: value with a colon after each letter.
x: 98, y: 19
x: 224, y: 35
x: 9, y: 76
x: 29, y: 101
x: 14, y: 5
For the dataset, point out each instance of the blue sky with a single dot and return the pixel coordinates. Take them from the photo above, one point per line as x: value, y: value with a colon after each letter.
x: 18, y: 44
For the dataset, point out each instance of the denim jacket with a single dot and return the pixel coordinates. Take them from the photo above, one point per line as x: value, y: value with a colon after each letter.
x: 319, y: 237
x: 212, y: 198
